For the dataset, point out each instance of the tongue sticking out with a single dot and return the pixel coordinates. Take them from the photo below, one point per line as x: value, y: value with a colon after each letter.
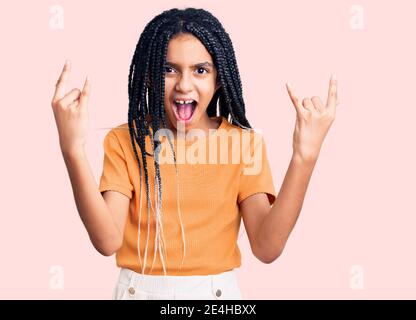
x: 185, y: 111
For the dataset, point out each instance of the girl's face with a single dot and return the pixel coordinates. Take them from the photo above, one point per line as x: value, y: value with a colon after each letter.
x: 190, y: 83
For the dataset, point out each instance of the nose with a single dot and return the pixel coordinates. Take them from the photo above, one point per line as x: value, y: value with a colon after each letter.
x: 184, y: 84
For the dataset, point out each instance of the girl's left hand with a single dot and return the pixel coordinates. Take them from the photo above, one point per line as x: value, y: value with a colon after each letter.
x: 313, y: 120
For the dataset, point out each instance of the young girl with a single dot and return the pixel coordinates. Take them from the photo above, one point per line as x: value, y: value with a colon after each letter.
x: 174, y: 224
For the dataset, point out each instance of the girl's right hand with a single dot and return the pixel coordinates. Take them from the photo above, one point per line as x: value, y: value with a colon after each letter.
x: 71, y: 113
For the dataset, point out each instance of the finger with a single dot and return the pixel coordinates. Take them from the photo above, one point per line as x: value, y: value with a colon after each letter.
x: 60, y: 85
x: 72, y: 96
x: 293, y: 97
x: 85, y: 94
x: 307, y: 104
x: 332, y: 92
x: 74, y: 104
x: 317, y: 103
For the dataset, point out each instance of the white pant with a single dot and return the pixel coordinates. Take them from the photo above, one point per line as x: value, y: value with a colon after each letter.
x: 135, y: 286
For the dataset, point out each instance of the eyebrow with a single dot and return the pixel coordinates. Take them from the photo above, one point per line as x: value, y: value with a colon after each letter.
x: 202, y: 64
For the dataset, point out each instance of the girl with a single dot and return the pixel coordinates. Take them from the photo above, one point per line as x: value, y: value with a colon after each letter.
x: 184, y: 84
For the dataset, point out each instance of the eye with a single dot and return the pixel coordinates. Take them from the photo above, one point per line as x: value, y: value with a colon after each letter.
x: 200, y: 68
x: 168, y: 69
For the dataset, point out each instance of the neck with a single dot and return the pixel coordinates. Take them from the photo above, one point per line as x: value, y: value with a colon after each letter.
x: 205, y: 124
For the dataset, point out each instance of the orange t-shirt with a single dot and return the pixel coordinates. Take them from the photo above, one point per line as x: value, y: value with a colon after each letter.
x: 210, y: 189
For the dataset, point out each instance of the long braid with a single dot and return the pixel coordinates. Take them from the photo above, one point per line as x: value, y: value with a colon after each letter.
x: 226, y: 43
x: 227, y: 84
x: 146, y: 86
x: 157, y: 64
x: 143, y: 127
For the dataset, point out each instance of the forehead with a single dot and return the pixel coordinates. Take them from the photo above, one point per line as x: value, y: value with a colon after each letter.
x: 186, y: 49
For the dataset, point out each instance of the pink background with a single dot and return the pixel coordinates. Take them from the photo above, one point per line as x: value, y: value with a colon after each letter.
x: 359, y: 208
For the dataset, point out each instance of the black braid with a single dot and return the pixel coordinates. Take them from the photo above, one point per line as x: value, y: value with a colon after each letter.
x: 158, y: 96
x: 229, y: 90
x: 146, y: 79
x: 227, y: 43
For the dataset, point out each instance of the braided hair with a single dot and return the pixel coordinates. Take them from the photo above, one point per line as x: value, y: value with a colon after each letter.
x: 146, y: 88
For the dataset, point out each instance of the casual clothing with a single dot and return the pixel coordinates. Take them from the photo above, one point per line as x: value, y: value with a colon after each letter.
x: 136, y: 286
x: 209, y: 195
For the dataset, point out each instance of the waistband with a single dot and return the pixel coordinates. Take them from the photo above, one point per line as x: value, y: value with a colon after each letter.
x: 178, y: 284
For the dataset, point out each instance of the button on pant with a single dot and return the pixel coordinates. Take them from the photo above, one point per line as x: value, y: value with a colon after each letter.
x: 135, y: 286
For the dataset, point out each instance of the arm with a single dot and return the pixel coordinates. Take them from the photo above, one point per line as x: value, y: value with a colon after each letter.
x: 268, y: 228
x: 103, y: 220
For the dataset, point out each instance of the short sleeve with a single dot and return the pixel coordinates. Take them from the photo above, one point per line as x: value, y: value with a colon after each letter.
x: 115, y: 175
x: 256, y: 176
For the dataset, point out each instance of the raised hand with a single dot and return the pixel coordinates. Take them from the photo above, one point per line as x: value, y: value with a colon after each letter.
x: 71, y: 113
x: 313, y: 120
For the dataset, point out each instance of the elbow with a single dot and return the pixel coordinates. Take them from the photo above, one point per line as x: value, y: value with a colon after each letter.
x: 268, y: 258
x: 108, y: 248
x: 106, y: 252
x: 271, y: 259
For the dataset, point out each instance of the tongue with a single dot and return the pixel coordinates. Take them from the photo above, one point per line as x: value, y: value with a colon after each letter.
x: 185, y: 111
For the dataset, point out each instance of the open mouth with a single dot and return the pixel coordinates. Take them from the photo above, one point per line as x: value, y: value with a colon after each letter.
x: 184, y: 110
